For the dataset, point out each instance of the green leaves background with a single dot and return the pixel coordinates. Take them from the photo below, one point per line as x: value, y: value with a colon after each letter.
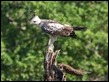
x: 23, y: 45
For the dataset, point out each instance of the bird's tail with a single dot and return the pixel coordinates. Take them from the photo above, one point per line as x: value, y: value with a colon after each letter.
x: 73, y: 35
x: 79, y: 28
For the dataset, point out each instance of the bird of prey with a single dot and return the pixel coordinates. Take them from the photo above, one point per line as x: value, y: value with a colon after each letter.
x: 55, y: 29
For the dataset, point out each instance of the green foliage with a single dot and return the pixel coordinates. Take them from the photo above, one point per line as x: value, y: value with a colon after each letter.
x: 23, y: 45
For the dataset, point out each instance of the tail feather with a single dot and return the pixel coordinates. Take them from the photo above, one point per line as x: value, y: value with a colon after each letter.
x: 78, y: 28
x: 73, y: 35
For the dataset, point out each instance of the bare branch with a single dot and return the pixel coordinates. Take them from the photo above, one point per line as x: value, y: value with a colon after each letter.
x: 54, y: 71
x: 70, y: 70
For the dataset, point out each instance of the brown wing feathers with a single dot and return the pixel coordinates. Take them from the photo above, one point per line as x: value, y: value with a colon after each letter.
x: 66, y: 31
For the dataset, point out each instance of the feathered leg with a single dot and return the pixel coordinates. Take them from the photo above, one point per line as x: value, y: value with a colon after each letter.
x: 51, y: 42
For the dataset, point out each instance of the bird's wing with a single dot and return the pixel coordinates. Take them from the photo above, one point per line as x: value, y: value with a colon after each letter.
x: 59, y: 29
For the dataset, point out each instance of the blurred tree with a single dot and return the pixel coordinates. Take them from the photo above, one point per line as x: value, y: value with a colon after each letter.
x: 22, y: 48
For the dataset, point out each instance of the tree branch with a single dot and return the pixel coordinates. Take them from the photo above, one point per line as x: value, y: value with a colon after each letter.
x: 54, y: 71
x: 70, y: 70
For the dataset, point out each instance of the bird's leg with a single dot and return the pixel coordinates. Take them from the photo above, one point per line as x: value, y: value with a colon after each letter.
x: 52, y: 39
x: 51, y: 42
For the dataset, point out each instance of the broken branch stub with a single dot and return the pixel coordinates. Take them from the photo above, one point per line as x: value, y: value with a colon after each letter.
x: 54, y: 71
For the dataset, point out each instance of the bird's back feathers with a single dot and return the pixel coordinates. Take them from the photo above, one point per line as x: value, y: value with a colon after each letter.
x: 48, y: 21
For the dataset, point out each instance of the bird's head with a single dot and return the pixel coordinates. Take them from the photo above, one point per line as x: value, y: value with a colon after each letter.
x: 35, y: 20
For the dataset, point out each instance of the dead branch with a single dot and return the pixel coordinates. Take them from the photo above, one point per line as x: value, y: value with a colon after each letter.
x: 54, y: 71
x: 70, y: 70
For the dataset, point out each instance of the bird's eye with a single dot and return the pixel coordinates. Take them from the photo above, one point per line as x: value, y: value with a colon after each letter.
x: 34, y: 21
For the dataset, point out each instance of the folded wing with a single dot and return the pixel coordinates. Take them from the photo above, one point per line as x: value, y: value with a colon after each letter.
x: 59, y: 29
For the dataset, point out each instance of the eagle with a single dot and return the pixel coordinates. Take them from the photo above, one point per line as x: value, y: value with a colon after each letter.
x: 55, y: 29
